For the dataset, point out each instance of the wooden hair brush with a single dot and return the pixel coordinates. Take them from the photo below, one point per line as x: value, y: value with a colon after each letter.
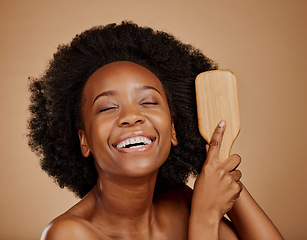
x: 217, y: 99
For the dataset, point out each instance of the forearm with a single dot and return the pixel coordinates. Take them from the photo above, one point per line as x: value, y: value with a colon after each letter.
x: 250, y: 221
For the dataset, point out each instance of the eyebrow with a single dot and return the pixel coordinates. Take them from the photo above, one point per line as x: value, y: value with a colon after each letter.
x: 147, y: 88
x: 106, y: 93
x: 113, y: 92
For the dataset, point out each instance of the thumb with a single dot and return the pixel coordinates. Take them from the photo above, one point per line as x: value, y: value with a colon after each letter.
x: 215, y: 143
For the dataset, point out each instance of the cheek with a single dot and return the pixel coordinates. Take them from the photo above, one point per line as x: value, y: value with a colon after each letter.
x: 99, y: 134
x: 163, y: 123
x: 99, y: 142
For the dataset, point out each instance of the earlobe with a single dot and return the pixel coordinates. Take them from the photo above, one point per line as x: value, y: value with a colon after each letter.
x: 174, y: 137
x: 83, y: 144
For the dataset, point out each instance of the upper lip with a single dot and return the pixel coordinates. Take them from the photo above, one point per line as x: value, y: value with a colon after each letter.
x: 132, y: 135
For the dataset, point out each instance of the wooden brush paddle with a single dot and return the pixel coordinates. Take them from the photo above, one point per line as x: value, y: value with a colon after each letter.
x: 217, y: 99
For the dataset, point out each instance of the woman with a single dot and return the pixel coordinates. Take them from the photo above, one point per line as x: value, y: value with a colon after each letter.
x: 114, y: 120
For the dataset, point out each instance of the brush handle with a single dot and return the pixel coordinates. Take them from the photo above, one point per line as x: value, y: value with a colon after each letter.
x: 217, y: 99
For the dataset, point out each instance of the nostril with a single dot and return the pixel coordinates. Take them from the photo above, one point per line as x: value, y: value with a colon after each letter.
x: 130, y: 118
x: 124, y: 123
x: 128, y: 123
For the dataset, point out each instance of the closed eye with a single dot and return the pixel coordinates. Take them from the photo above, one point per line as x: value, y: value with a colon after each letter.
x: 149, y: 103
x: 107, y: 109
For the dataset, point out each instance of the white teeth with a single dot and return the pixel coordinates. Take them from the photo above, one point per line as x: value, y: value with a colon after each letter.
x: 134, y: 140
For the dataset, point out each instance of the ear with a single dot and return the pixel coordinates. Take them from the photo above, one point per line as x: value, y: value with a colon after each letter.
x: 174, y: 138
x: 83, y: 144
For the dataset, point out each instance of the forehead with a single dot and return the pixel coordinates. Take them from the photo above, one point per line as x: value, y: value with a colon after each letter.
x: 121, y: 75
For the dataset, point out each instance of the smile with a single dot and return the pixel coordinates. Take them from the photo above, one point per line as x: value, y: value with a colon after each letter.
x: 134, y: 142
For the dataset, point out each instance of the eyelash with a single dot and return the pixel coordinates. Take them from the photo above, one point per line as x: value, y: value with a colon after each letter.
x: 149, y: 103
x: 106, y: 109
x: 110, y: 108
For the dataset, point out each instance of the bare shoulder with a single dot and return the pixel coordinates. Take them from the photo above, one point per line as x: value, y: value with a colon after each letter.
x: 74, y: 224
x: 69, y: 227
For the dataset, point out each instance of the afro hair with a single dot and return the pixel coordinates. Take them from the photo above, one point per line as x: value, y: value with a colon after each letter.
x: 56, y: 101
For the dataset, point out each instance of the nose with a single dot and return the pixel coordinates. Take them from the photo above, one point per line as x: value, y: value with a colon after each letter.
x: 130, y: 116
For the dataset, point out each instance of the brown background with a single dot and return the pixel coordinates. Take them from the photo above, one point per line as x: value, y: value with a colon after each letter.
x: 263, y: 43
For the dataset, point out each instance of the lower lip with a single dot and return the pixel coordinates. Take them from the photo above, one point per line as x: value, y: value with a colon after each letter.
x: 142, y: 149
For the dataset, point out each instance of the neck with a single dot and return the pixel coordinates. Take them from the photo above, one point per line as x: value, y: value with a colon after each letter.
x: 126, y: 203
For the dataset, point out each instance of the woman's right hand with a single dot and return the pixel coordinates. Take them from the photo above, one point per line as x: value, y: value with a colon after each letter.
x: 215, y: 192
x: 217, y: 187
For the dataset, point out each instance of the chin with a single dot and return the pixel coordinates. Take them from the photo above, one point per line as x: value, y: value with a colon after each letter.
x: 140, y: 170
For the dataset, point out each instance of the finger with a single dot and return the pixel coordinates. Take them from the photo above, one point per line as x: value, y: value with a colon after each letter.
x: 236, y: 175
x: 240, y: 187
x: 232, y: 162
x: 215, y: 143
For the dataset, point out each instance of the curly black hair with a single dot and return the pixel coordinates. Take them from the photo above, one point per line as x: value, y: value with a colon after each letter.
x: 56, y: 100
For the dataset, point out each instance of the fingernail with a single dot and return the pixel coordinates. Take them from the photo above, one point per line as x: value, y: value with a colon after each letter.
x: 222, y: 123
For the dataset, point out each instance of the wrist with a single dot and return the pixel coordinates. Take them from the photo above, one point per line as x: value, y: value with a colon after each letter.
x: 203, y: 225
x: 205, y: 213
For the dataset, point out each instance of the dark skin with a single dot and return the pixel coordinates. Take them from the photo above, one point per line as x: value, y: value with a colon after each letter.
x: 124, y: 103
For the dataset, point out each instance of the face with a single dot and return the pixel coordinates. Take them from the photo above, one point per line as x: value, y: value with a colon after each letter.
x: 127, y: 122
